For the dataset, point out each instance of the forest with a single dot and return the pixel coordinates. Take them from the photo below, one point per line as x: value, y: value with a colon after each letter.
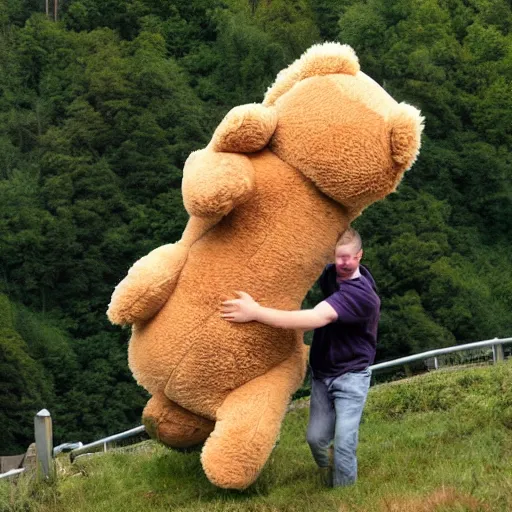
x: 100, y: 107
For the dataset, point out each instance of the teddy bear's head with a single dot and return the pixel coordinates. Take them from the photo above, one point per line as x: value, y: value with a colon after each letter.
x: 340, y: 128
x: 333, y: 123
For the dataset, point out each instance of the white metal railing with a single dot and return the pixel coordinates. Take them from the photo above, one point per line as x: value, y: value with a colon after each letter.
x: 494, y: 343
x: 12, y: 472
x: 43, y: 427
x: 116, y: 437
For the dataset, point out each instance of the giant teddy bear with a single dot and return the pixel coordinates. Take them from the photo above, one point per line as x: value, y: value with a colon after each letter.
x: 267, y: 198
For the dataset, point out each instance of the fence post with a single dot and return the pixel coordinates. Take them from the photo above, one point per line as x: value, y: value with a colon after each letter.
x: 500, y: 356
x: 44, y: 443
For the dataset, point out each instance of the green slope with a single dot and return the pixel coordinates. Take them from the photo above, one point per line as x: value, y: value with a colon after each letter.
x: 438, y: 442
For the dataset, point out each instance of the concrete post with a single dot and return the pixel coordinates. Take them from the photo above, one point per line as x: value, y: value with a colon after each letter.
x: 44, y: 443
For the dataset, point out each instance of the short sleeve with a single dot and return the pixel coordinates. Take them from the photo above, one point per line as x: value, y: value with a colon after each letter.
x: 349, y: 307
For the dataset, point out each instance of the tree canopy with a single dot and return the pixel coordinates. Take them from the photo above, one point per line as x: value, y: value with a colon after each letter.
x: 100, y: 109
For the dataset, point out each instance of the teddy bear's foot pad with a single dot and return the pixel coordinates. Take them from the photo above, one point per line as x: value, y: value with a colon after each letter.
x: 173, y: 425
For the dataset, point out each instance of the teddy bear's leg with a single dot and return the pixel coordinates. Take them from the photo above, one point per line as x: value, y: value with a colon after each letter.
x: 173, y: 425
x: 248, y: 423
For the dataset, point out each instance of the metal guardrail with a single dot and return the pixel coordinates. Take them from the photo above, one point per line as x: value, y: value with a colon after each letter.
x: 116, y: 437
x: 12, y: 472
x: 438, y: 352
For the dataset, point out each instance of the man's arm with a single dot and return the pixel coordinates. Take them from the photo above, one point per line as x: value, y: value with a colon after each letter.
x: 246, y: 309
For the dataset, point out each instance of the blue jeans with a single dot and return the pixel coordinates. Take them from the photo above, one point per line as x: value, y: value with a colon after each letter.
x: 335, y: 413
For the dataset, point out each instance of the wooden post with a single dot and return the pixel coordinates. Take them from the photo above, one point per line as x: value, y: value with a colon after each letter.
x: 55, y: 9
x: 44, y: 443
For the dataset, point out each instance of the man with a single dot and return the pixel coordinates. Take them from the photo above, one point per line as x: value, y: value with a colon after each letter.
x: 343, y: 348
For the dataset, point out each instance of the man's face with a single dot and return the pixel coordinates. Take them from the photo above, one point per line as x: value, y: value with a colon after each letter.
x: 346, y: 259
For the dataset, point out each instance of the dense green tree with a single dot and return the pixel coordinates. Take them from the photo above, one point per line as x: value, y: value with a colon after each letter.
x: 407, y: 328
x: 103, y: 399
x: 24, y: 390
x: 415, y: 257
x: 99, y: 111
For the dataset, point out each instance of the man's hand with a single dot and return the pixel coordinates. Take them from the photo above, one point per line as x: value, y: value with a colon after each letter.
x: 246, y: 309
x: 243, y: 309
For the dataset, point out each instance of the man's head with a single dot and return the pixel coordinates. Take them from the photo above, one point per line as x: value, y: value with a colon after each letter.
x: 348, y: 253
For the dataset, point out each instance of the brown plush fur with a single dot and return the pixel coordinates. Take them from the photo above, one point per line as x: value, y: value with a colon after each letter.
x: 267, y: 200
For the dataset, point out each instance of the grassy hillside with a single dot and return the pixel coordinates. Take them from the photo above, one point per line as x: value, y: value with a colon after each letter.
x: 439, y: 442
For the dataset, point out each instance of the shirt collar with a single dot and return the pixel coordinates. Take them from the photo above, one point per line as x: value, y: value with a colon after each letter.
x: 356, y: 274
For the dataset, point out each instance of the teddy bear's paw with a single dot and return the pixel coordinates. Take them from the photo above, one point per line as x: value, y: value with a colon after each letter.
x: 245, y: 129
x: 148, y: 285
x: 175, y: 435
x: 174, y: 426
x: 215, y: 183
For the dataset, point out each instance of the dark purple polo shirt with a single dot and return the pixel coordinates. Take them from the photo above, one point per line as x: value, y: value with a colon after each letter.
x: 349, y: 343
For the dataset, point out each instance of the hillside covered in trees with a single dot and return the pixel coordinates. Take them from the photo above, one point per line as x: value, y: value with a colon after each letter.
x: 100, y: 109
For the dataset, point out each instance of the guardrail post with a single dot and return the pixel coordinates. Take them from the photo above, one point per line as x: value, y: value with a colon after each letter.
x: 497, y: 352
x: 44, y: 443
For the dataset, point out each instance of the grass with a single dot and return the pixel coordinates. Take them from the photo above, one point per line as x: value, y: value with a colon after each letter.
x: 441, y: 442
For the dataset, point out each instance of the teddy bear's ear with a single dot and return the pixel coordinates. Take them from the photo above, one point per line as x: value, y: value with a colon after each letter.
x: 320, y: 59
x: 245, y: 129
x: 406, y: 125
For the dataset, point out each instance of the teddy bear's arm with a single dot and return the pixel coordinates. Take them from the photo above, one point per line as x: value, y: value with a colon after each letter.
x: 215, y: 183
x: 147, y: 286
x: 221, y: 176
x: 215, y: 180
x: 151, y: 280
